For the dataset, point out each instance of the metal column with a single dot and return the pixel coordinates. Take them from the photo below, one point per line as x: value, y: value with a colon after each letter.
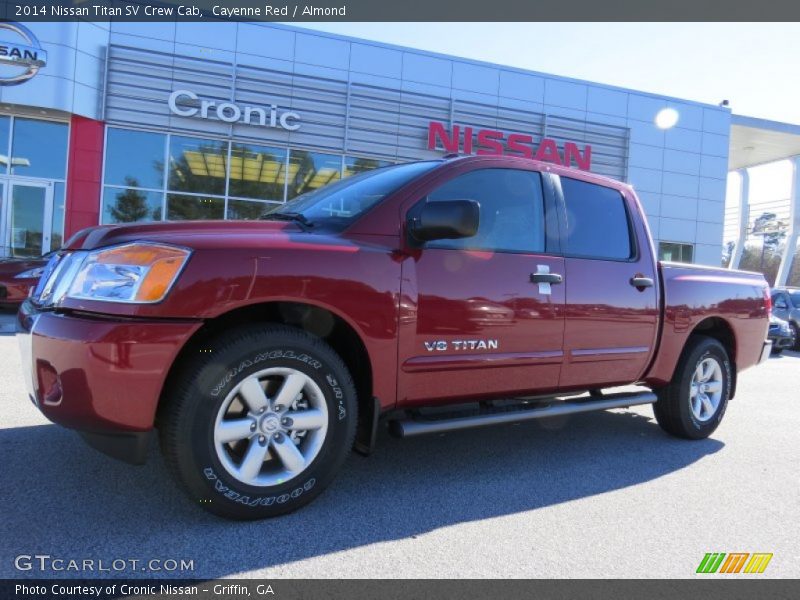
x: 794, y: 226
x: 744, y: 219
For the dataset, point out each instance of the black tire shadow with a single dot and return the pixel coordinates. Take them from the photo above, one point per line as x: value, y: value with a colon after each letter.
x: 64, y: 499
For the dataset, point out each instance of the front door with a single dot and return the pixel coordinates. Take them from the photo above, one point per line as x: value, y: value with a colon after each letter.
x: 28, y: 216
x: 474, y: 322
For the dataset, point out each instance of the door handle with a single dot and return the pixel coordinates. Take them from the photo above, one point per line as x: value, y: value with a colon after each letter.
x: 641, y: 282
x: 546, y: 278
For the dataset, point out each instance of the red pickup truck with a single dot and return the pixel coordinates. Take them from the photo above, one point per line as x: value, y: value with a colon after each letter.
x: 432, y: 296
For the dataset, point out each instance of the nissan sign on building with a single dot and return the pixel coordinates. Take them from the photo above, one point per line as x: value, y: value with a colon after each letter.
x: 137, y: 123
x: 21, y: 56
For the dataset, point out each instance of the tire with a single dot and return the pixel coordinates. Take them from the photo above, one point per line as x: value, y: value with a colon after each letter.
x: 776, y: 351
x: 676, y: 411
x: 227, y: 441
x: 796, y: 332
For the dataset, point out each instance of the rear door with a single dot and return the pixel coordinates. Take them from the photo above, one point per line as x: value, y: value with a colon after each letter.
x: 611, y: 286
x: 474, y: 324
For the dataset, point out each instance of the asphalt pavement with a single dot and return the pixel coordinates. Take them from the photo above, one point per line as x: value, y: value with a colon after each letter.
x: 594, y: 495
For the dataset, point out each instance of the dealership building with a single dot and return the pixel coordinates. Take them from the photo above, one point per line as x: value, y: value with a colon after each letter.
x: 121, y: 122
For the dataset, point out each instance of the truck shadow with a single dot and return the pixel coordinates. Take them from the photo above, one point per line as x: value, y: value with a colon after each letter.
x: 64, y: 499
x: 8, y: 321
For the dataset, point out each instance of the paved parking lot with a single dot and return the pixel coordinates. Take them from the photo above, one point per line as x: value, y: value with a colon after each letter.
x: 598, y: 495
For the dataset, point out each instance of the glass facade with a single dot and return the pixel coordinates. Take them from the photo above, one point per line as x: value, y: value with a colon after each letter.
x: 39, y: 149
x: 33, y: 169
x: 134, y: 158
x: 672, y: 251
x: 257, y: 172
x: 153, y: 176
x: 129, y: 205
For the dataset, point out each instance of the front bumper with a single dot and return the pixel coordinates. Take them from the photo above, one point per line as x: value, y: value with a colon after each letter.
x: 765, y: 351
x: 100, y: 376
x: 781, y: 340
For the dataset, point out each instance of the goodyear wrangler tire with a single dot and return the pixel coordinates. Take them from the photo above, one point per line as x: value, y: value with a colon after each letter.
x: 260, y: 422
x: 693, y: 404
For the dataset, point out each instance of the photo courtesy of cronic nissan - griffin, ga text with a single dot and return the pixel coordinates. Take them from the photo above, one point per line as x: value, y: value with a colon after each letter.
x: 431, y: 296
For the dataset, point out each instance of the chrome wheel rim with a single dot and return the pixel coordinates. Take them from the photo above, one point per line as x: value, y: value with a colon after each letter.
x: 705, y: 392
x: 271, y: 427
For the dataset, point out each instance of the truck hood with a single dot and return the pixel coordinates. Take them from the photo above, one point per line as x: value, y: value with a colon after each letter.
x: 190, y: 234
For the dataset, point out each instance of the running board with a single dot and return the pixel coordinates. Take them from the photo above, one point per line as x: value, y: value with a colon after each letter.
x: 515, y: 414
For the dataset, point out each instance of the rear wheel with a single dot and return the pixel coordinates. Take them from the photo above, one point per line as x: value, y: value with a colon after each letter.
x: 260, y: 423
x: 796, y: 333
x: 693, y: 404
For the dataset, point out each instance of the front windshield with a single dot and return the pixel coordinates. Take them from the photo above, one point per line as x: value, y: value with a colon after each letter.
x: 795, y: 296
x: 340, y: 203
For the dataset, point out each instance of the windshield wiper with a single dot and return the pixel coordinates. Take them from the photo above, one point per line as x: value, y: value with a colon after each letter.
x: 294, y: 217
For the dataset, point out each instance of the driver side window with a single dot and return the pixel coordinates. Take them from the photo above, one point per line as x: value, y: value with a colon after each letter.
x: 511, y: 210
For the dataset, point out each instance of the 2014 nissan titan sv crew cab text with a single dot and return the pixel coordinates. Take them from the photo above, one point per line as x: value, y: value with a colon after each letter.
x: 434, y: 296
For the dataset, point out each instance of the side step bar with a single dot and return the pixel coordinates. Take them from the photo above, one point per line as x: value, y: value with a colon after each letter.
x: 516, y: 414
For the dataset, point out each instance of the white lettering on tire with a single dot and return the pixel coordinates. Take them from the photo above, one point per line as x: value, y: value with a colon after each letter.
x: 231, y: 494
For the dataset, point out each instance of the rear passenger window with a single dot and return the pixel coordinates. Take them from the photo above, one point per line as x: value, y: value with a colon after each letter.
x: 511, y: 214
x: 597, y: 221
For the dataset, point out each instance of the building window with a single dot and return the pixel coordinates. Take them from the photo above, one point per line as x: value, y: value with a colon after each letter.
x: 152, y: 176
x: 39, y: 149
x: 197, y: 165
x: 239, y: 209
x: 257, y: 172
x: 181, y: 207
x: 57, y: 222
x: 5, y: 133
x: 311, y: 170
x: 675, y: 252
x: 353, y: 165
x: 33, y: 154
x: 130, y: 205
x: 135, y: 158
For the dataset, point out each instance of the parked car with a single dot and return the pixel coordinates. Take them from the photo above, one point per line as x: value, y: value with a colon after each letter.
x: 781, y: 335
x: 263, y: 351
x: 17, y: 276
x: 786, y: 306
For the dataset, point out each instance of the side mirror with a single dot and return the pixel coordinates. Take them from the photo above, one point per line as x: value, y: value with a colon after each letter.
x: 781, y: 304
x: 445, y: 220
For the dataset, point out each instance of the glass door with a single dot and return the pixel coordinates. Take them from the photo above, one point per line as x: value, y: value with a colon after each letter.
x: 29, y: 218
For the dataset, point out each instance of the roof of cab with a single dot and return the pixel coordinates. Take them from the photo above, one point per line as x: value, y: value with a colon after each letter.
x: 560, y: 170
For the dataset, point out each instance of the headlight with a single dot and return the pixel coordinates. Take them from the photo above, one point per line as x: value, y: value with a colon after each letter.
x: 139, y: 272
x: 30, y: 273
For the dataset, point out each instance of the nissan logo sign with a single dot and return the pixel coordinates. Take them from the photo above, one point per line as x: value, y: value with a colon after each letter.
x: 19, y: 59
x: 186, y: 103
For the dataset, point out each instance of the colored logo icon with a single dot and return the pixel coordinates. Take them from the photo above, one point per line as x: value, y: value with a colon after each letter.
x: 736, y: 562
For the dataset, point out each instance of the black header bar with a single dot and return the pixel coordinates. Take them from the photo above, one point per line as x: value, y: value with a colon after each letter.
x: 400, y: 10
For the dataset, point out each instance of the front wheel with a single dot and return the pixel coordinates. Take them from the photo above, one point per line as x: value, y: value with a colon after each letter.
x: 260, y: 422
x: 693, y: 404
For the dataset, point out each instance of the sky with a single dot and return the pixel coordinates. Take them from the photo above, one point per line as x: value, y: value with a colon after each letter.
x: 753, y: 65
